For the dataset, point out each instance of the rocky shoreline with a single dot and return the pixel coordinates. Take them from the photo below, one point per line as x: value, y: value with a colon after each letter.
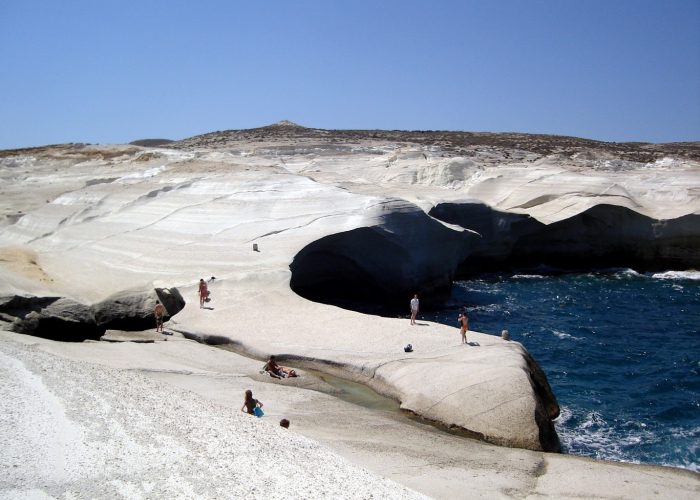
x: 91, y: 235
x: 162, y: 420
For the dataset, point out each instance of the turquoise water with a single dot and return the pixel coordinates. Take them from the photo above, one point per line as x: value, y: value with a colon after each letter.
x: 621, y: 351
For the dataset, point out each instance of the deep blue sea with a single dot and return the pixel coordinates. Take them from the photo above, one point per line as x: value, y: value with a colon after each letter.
x: 621, y: 351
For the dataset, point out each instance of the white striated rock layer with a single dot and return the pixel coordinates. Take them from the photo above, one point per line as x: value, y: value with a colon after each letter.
x: 88, y: 222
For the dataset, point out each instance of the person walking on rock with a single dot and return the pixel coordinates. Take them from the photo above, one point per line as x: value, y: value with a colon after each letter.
x: 203, y: 292
x: 414, y: 308
x: 463, y: 325
x: 159, y: 313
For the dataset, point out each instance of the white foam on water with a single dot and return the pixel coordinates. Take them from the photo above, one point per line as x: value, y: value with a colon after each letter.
x: 489, y: 308
x: 529, y: 276
x: 593, y: 418
x: 677, y: 275
x: 594, y: 436
x: 564, y: 415
x: 564, y: 335
x: 627, y: 273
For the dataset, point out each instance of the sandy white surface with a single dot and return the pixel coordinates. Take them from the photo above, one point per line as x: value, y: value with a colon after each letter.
x: 77, y: 430
x: 162, y: 420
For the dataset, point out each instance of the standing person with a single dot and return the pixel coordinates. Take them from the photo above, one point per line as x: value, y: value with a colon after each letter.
x: 463, y: 325
x: 203, y: 292
x: 250, y: 404
x: 159, y: 313
x: 414, y: 308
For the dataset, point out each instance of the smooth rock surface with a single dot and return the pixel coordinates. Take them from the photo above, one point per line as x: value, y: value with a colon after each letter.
x: 86, y: 222
x: 75, y: 429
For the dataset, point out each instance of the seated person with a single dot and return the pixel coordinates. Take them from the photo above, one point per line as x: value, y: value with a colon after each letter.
x: 250, y: 404
x: 277, y: 371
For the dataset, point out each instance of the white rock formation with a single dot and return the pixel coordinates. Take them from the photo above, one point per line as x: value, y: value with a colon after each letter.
x: 162, y: 420
x: 86, y: 222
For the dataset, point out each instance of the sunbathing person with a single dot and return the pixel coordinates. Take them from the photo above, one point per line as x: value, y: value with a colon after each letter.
x: 277, y: 371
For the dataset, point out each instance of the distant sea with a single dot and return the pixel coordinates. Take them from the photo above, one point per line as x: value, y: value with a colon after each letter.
x: 621, y: 351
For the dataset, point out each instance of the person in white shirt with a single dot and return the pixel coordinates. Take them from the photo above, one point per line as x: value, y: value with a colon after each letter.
x: 414, y: 309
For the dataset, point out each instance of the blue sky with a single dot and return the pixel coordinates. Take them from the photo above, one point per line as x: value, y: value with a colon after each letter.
x: 115, y: 71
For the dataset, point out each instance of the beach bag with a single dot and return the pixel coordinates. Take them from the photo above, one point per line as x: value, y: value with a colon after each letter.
x: 258, y: 412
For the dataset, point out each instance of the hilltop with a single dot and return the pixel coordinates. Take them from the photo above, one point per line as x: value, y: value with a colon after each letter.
x: 450, y: 142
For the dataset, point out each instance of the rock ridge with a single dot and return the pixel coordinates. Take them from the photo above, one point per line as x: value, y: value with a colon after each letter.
x: 454, y: 141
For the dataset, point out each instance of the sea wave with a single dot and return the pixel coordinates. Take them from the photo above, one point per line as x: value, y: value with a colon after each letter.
x: 592, y: 432
x: 490, y: 308
x: 589, y: 431
x: 528, y: 277
x: 564, y: 335
x: 677, y: 275
x: 625, y: 273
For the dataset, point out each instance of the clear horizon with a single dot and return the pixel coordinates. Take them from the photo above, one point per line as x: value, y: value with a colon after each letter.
x: 113, y: 72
